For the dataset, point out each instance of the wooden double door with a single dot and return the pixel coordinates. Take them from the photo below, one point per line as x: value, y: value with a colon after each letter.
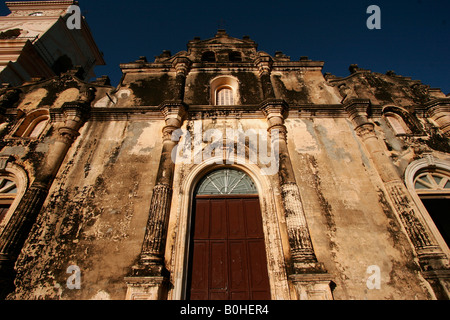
x: 228, y: 256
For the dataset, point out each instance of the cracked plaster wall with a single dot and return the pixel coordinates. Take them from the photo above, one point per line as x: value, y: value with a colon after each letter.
x: 95, y: 214
x: 351, y: 228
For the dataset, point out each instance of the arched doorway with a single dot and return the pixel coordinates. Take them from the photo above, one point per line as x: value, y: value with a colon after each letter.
x: 428, y: 180
x: 227, y: 259
x: 433, y: 188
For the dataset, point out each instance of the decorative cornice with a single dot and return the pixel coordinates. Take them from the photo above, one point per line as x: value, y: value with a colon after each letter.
x: 437, y: 102
x: 78, y: 108
x: 23, y: 5
x: 173, y: 108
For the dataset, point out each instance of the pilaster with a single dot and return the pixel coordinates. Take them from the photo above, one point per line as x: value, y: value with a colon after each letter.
x: 148, y: 278
x: 304, y: 261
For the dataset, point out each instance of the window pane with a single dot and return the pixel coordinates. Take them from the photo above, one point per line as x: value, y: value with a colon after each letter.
x: 13, y: 190
x: 437, y: 179
x: 396, y: 125
x: 425, y: 179
x: 224, y: 97
x: 37, y: 130
x: 8, y: 186
x: 227, y: 181
x: 418, y: 185
x: 447, y: 185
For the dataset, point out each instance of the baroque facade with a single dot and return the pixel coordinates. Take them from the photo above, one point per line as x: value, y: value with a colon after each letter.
x: 224, y: 172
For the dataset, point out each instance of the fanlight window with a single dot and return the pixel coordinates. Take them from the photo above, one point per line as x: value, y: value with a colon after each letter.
x: 226, y: 181
x: 7, y: 186
x: 432, y: 182
x: 224, y: 97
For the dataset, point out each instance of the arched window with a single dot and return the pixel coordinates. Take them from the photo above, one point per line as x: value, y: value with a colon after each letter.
x: 33, y: 124
x: 397, y: 124
x: 430, y: 183
x: 224, y: 96
x: 226, y: 181
x: 433, y: 188
x: 38, y: 128
x: 224, y: 91
x: 428, y: 180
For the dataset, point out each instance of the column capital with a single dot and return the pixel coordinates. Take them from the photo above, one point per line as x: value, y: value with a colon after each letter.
x: 78, y: 109
x: 274, y: 107
x: 174, y: 114
x: 174, y: 109
x: 67, y: 135
x: 75, y: 114
x: 264, y: 63
x: 439, y: 111
x: 357, y: 110
x: 182, y: 65
x: 366, y: 130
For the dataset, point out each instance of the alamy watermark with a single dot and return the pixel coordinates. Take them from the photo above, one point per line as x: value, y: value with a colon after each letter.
x: 374, y: 21
x: 74, y: 20
x: 254, y: 146
x: 374, y: 280
x: 74, y: 281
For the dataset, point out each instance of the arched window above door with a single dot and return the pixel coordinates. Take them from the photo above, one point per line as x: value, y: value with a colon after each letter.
x: 428, y: 180
x: 429, y: 183
x: 226, y: 181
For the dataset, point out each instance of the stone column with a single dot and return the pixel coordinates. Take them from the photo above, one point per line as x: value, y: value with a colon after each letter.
x: 301, y: 246
x: 307, y: 274
x: 21, y: 222
x: 181, y: 65
x: 264, y: 64
x: 429, y: 253
x: 148, y: 277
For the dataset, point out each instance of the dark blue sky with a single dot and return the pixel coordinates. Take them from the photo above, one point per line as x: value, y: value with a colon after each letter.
x: 414, y: 39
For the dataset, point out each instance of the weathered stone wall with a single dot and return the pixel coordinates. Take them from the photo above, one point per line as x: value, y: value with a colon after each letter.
x: 95, y: 214
x: 352, y: 227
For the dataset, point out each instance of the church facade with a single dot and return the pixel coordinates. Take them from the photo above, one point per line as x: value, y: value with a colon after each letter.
x: 224, y: 172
